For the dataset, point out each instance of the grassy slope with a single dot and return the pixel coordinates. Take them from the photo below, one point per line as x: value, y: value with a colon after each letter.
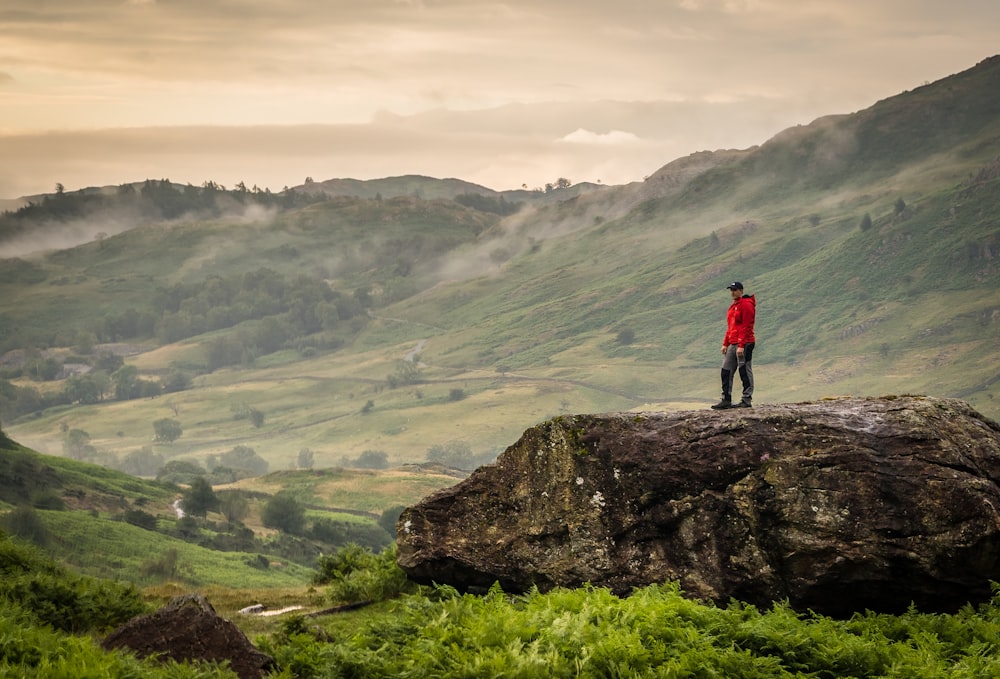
x: 91, y: 537
x: 24, y: 475
x: 115, y: 550
x: 523, y: 314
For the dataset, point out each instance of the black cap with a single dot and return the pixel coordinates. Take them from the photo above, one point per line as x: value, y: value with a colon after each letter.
x: 735, y: 285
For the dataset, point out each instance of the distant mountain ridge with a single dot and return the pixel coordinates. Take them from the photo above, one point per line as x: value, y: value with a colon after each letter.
x: 430, y: 188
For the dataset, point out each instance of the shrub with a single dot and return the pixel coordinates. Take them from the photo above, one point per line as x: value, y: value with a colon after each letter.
x: 259, y: 561
x: 372, y: 459
x: 47, y: 499
x: 24, y: 523
x: 245, y: 461
x: 139, y: 518
x: 166, y: 567
x: 285, y: 513
x: 55, y: 597
x: 342, y: 533
x: 356, y: 574
x: 180, y: 471
x: 655, y: 632
x: 625, y: 336
x: 389, y: 519
x: 234, y: 505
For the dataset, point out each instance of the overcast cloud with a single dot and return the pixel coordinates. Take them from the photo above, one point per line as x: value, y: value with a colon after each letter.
x: 500, y: 93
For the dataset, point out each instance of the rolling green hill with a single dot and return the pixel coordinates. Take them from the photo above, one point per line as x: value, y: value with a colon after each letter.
x: 29, y: 478
x: 399, y: 321
x: 108, y: 524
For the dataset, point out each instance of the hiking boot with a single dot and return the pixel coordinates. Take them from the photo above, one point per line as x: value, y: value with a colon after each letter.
x: 743, y: 404
x: 724, y: 404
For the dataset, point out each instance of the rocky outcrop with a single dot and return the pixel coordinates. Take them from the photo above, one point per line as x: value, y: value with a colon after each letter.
x: 189, y: 629
x: 836, y: 506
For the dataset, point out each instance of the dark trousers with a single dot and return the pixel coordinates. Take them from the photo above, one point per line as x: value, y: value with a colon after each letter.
x: 732, y: 364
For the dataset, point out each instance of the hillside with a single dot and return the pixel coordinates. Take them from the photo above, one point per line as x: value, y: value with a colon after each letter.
x: 403, y: 323
x: 105, y: 523
x: 29, y: 478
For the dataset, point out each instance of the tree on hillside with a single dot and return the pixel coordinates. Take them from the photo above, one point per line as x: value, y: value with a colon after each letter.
x: 234, y: 506
x: 87, y: 389
x: 246, y: 459
x: 180, y: 471
x: 625, y: 336
x: 407, y: 372
x: 222, y: 352
x: 167, y: 430
x: 200, y: 498
x: 43, y: 369
x: 561, y: 183
x: 83, y: 343
x: 283, y: 512
x: 244, y: 411
x: 127, y: 383
x: 270, y: 335
x: 24, y: 522
x: 176, y: 380
x: 142, y: 462
x: 451, y: 454
x: 108, y: 362
x: 16, y: 401
x: 306, y: 459
x: 372, y: 459
x: 76, y: 445
x: 256, y: 418
x: 221, y: 474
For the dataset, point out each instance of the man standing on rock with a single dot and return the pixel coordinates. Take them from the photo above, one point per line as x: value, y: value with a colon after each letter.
x: 737, y: 347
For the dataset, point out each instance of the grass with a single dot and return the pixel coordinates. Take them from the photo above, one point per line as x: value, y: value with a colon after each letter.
x: 366, y: 491
x: 115, y: 550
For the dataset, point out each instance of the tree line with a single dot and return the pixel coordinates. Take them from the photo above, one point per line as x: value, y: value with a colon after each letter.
x: 284, y: 310
x: 151, y: 200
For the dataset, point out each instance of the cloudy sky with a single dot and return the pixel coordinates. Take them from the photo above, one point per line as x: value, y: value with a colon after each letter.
x: 502, y: 93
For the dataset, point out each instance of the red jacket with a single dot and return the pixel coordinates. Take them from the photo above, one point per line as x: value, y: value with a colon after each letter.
x: 739, y: 321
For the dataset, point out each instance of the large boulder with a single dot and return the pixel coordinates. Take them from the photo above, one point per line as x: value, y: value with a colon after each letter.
x: 836, y: 506
x: 189, y: 629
